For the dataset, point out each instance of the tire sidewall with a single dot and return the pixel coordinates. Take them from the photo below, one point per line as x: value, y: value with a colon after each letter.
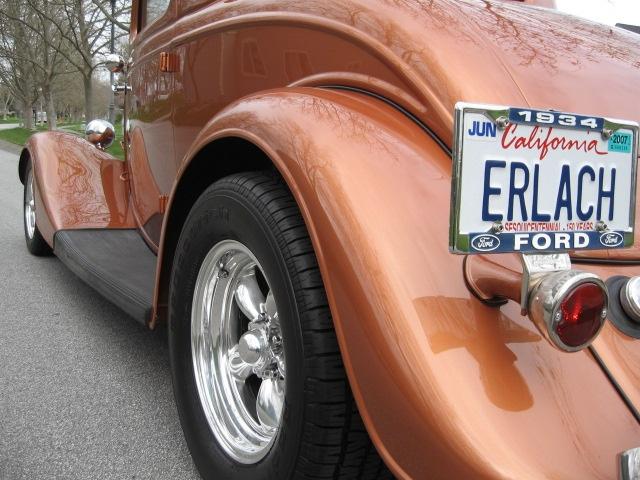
x: 222, y: 214
x: 36, y: 244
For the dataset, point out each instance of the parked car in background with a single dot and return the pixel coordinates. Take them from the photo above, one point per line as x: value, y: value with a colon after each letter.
x: 40, y: 117
x: 335, y: 310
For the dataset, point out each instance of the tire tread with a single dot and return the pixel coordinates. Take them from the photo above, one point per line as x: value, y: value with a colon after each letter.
x: 335, y: 444
x: 36, y: 245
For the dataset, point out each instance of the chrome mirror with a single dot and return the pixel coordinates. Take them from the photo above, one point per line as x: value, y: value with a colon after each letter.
x: 101, y: 133
x: 114, y: 63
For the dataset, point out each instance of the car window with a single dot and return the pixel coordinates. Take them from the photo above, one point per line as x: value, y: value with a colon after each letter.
x: 155, y: 9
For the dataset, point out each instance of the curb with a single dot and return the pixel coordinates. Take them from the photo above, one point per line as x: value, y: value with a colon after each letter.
x: 10, y: 147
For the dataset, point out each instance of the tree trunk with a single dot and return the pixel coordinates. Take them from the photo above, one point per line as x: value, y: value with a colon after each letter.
x: 88, y: 97
x: 27, y: 116
x: 50, y: 109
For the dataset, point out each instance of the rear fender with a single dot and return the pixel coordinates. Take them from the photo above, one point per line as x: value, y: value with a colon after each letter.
x: 447, y: 386
x: 76, y: 185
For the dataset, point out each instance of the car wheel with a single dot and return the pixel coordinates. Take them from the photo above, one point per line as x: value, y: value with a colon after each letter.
x: 257, y: 373
x: 35, y: 243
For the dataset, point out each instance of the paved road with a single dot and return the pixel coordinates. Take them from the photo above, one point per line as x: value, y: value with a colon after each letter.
x: 85, y: 392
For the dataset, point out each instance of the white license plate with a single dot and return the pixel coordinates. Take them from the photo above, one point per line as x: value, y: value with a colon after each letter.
x: 541, y: 181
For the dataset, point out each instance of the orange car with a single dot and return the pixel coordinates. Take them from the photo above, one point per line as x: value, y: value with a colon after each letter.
x: 344, y: 301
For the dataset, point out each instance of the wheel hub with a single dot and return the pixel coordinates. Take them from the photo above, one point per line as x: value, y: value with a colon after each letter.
x: 238, y: 351
x: 253, y: 347
x: 261, y: 347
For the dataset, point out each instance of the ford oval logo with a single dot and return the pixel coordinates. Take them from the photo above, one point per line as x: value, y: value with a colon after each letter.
x: 611, y: 239
x: 485, y: 242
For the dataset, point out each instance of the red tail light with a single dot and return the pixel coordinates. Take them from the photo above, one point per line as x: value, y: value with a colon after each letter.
x: 569, y: 308
x: 581, y: 314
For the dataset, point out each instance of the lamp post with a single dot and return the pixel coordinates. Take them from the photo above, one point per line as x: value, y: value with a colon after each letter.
x: 112, y: 99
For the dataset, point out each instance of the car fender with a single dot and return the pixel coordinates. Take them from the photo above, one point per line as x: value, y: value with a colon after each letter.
x: 448, y: 387
x: 77, y: 186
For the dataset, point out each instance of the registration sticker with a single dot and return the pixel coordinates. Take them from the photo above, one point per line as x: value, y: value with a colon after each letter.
x: 529, y: 180
x: 621, y: 142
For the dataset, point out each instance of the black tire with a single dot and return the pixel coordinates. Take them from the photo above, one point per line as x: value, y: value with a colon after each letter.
x: 322, y: 434
x: 35, y: 244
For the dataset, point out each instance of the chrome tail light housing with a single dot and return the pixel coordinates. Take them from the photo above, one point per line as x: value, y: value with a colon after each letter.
x: 569, y: 308
x: 630, y: 298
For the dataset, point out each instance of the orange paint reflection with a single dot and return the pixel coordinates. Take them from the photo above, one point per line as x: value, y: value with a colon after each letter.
x: 485, y: 333
x: 79, y: 184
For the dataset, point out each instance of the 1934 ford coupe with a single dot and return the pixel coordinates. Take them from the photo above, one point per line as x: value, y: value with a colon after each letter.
x: 383, y: 242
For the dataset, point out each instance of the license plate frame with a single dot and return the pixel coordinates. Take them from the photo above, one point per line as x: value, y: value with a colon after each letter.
x: 468, y: 235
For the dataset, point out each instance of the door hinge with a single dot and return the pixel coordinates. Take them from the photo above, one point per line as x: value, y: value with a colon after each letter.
x: 164, y: 200
x: 169, y: 62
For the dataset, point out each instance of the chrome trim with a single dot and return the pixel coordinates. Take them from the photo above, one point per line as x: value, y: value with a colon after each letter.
x: 114, y: 63
x: 535, y: 267
x: 630, y: 298
x: 100, y: 133
x: 494, y: 112
x: 546, y: 298
x: 29, y: 207
x: 630, y: 464
x: 500, y: 114
x: 237, y: 352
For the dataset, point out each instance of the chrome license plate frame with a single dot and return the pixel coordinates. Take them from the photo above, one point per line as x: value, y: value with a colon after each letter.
x: 536, y: 155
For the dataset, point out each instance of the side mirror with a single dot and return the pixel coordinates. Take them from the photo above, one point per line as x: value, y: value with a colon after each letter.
x: 101, y: 133
x: 114, y: 63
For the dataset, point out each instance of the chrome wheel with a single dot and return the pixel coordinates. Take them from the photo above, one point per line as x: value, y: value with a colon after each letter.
x: 237, y: 352
x: 29, y: 206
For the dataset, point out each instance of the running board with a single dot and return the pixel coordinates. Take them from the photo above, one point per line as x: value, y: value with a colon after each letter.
x: 116, y: 263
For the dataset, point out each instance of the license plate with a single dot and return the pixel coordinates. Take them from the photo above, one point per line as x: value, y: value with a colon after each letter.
x: 541, y: 181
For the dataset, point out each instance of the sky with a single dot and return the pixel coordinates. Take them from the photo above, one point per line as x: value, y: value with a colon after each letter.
x: 604, y: 11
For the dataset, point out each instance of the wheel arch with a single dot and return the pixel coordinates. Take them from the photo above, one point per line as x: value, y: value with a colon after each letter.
x: 273, y: 130
x: 198, y: 174
x: 234, y: 152
x: 22, y: 164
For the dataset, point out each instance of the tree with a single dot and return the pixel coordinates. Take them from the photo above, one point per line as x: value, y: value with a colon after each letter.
x: 49, y: 60
x: 24, y: 20
x: 5, y: 100
x: 68, y: 103
x: 17, y: 51
x: 56, y: 36
x: 84, y: 26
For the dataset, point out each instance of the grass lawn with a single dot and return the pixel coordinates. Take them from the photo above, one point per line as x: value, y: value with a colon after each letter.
x: 20, y: 135
x: 73, y: 127
x: 17, y: 135
x: 10, y: 120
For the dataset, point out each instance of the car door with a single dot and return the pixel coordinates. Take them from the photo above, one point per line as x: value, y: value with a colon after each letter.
x: 151, y: 158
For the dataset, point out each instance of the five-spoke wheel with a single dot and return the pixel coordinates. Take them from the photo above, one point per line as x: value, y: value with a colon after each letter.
x: 238, y: 351
x: 257, y: 372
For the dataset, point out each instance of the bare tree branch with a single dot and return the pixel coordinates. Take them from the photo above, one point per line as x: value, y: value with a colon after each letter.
x: 121, y: 25
x: 63, y: 34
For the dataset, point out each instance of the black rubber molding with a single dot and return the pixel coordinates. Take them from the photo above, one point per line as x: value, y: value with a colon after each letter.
x: 116, y: 263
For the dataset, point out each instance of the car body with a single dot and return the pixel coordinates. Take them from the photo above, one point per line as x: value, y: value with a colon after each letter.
x: 352, y: 102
